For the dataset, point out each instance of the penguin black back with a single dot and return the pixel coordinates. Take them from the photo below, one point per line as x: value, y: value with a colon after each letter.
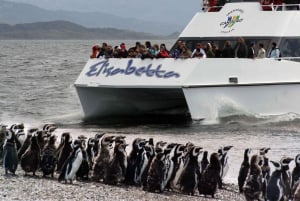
x: 10, y: 158
x: 204, y: 161
x: 244, y: 170
x: 49, y: 157
x: 296, y: 171
x: 31, y: 159
x: 65, y: 152
x: 275, y: 184
x: 156, y: 173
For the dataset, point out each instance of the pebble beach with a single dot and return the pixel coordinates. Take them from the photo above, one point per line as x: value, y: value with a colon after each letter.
x: 28, y: 188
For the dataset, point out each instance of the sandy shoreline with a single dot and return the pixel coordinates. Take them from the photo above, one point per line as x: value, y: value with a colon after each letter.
x: 27, y: 188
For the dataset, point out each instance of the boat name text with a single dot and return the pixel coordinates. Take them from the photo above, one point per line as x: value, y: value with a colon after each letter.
x: 104, y: 68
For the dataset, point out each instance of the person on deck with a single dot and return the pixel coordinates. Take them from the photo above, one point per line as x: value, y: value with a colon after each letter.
x: 261, y: 51
x: 274, y: 52
x: 95, y: 51
x: 163, y: 52
x: 198, y: 50
x: 241, y: 50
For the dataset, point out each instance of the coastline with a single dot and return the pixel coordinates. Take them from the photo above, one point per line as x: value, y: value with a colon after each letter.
x: 25, y: 188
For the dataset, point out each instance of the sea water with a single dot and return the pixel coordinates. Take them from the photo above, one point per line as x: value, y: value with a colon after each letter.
x: 36, y: 87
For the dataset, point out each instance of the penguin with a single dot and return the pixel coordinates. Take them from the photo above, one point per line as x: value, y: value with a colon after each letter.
x: 265, y: 167
x: 224, y: 160
x: 178, y: 167
x: 137, y: 146
x: 97, y: 146
x: 191, y: 172
x: 244, y: 169
x: 118, y: 166
x: 84, y: 169
x: 103, y: 158
x: 169, y: 165
x: 31, y: 159
x: 141, y: 163
x: 90, y: 151
x: 49, y: 128
x: 253, y: 185
x: 49, y: 157
x: 27, y: 142
x: 65, y: 152
x: 296, y: 171
x: 286, y: 176
x: 156, y: 173
x: 211, y: 178
x: 18, y: 129
x: 3, y: 134
x: 10, y: 158
x: 41, y: 138
x: 72, y: 164
x: 275, y: 191
x: 20, y: 134
x: 204, y: 162
x: 150, y: 153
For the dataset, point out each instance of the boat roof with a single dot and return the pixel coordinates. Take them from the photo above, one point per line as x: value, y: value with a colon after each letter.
x: 243, y: 19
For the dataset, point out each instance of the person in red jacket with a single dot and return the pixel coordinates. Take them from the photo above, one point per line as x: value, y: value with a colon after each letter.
x: 163, y: 52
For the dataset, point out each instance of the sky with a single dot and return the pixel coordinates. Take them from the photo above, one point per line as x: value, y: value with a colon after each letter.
x: 171, y: 11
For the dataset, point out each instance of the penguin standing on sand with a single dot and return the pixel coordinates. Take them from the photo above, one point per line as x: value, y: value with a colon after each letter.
x: 137, y: 146
x: 244, y: 170
x: 84, y: 169
x: 253, y: 185
x: 103, y: 159
x: 156, y: 173
x: 118, y: 166
x: 211, y: 179
x: 275, y: 191
x: 296, y: 171
x: 31, y: 159
x: 286, y: 176
x: 90, y: 151
x: 150, y: 153
x: 10, y: 158
x: 141, y: 163
x: 97, y: 146
x: 223, y: 154
x: 66, y: 150
x: 265, y: 168
x: 169, y: 165
x: 3, y: 134
x: 72, y: 163
x: 49, y: 157
x: 26, y: 142
x: 191, y: 172
x: 178, y: 166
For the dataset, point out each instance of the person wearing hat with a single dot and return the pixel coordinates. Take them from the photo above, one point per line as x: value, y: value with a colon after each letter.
x: 274, y: 52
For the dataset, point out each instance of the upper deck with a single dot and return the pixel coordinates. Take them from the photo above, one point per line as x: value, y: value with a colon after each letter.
x: 246, y: 19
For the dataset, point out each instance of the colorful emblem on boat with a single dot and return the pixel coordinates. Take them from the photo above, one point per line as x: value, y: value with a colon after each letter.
x: 232, y: 18
x: 106, y: 69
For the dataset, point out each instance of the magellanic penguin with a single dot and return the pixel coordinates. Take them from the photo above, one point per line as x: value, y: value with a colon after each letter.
x: 169, y: 165
x: 211, y: 179
x: 3, y: 134
x: 27, y: 142
x: 223, y: 154
x: 286, y: 176
x: 10, y: 158
x: 296, y: 171
x: 265, y: 168
x: 31, y: 159
x: 84, y: 169
x: 49, y: 157
x: 275, y: 191
x: 97, y: 146
x: 140, y: 163
x: 90, y: 151
x: 178, y: 167
x: 296, y: 191
x: 191, y: 172
x: 244, y: 169
x: 137, y: 147
x: 253, y: 185
x: 160, y: 146
x: 150, y: 153
x: 156, y: 173
x: 103, y: 159
x: 118, y: 166
x: 72, y: 164
x: 65, y: 151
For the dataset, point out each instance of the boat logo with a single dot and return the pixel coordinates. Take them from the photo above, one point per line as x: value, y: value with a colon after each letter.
x: 104, y: 68
x: 232, y: 18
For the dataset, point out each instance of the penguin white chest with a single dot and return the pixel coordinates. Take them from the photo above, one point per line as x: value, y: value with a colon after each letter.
x: 74, y: 165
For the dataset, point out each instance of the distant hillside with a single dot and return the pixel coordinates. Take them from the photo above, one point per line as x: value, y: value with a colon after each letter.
x: 19, y: 13
x: 66, y: 30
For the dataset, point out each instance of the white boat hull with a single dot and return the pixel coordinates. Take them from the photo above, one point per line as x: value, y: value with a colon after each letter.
x: 215, y: 102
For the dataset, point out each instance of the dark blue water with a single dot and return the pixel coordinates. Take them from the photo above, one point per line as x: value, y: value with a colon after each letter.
x: 36, y: 87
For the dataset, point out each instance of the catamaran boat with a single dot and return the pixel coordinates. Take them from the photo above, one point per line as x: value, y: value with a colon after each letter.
x: 204, y: 88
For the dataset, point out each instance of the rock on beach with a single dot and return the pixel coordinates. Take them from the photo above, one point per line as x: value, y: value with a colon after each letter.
x: 27, y: 188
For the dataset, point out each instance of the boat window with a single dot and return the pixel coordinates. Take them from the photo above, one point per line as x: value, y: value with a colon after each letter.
x: 290, y: 47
